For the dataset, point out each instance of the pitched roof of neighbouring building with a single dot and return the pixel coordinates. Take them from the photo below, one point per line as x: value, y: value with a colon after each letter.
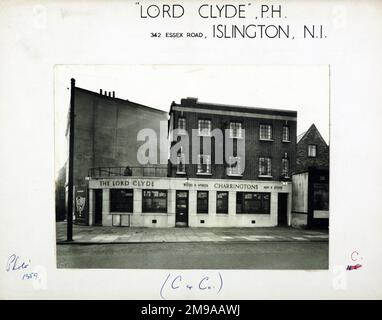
x: 312, y: 127
x: 300, y: 136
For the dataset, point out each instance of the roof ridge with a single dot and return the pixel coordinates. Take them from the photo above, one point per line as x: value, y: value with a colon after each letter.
x: 119, y: 99
x: 193, y: 102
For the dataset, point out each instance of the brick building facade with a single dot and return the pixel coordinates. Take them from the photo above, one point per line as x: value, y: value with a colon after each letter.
x: 245, y: 189
x: 310, y: 181
x: 312, y: 150
x: 105, y: 134
x: 277, y: 144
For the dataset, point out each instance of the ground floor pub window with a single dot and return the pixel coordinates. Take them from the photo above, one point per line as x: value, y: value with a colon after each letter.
x: 154, y: 201
x: 202, y: 202
x: 253, y: 202
x: 121, y: 200
x: 222, y: 202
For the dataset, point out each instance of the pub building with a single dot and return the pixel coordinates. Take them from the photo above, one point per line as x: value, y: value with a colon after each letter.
x: 255, y: 191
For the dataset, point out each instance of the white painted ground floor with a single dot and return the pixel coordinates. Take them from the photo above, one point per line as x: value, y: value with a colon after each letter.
x: 170, y: 202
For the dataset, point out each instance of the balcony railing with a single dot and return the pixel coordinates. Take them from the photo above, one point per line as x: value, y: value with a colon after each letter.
x: 104, y: 172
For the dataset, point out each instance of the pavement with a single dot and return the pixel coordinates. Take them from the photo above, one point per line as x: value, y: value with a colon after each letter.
x: 127, y: 235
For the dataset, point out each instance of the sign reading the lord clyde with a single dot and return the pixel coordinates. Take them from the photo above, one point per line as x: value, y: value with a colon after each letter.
x: 119, y: 183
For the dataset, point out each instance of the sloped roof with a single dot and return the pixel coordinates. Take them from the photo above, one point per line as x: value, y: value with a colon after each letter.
x: 106, y: 97
x: 300, y: 136
x: 312, y: 127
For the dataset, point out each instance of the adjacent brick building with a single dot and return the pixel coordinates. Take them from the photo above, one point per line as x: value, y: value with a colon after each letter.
x: 310, y: 181
x: 312, y: 150
x: 105, y: 142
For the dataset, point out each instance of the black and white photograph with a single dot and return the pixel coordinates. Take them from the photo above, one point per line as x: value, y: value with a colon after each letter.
x: 192, y: 167
x: 208, y: 152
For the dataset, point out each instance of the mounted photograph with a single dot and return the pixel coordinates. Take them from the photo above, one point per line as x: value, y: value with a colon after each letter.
x: 192, y: 166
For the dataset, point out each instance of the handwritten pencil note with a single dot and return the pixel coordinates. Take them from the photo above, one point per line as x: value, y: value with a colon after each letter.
x: 22, y: 268
x: 182, y: 285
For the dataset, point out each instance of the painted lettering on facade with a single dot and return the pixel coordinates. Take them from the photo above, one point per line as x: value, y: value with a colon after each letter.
x: 126, y: 183
x: 239, y: 186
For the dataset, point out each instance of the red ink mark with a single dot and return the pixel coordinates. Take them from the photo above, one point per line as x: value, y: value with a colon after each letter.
x: 353, y: 267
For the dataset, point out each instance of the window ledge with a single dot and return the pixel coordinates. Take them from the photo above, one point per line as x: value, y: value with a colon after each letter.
x: 264, y: 176
x: 270, y: 140
x: 181, y: 173
x: 241, y: 138
x: 234, y: 175
x: 155, y: 213
x: 124, y: 212
x: 253, y: 213
x: 286, y: 141
x: 203, y: 174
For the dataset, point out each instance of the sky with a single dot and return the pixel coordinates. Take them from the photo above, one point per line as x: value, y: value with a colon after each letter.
x: 304, y: 89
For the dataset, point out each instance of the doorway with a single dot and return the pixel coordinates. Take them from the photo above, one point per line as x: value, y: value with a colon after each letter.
x: 98, y: 207
x: 181, y: 213
x: 282, y: 209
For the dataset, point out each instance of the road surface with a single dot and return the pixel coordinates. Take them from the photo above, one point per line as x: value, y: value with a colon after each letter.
x: 196, y: 255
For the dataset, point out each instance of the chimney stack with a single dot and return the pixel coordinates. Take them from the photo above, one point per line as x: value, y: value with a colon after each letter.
x: 110, y: 94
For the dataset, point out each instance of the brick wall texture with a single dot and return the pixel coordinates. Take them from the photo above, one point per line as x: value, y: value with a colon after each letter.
x: 321, y: 161
x: 254, y: 147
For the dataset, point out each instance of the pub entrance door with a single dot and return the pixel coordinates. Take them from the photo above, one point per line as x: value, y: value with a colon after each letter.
x: 98, y: 207
x: 282, y: 210
x: 181, y: 213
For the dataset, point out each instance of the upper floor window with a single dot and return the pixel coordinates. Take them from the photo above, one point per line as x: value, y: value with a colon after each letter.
x: 204, y: 164
x: 265, y: 132
x: 182, y: 124
x: 285, y: 167
x: 265, y: 166
x: 180, y: 163
x: 312, y: 150
x: 235, y: 129
x: 204, y: 127
x: 234, y: 168
x: 286, y: 137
